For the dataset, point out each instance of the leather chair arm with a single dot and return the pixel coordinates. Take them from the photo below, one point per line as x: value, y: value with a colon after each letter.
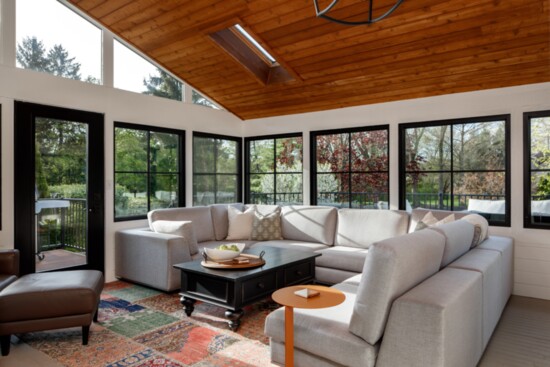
x: 9, y: 262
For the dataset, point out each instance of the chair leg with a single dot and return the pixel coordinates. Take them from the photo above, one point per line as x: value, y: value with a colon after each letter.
x: 5, y: 344
x: 96, y: 314
x: 85, y: 333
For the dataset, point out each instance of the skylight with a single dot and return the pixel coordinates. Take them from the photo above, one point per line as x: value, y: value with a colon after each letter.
x: 255, y: 43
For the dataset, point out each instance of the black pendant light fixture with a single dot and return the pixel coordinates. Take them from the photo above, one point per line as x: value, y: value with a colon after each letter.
x: 323, y: 13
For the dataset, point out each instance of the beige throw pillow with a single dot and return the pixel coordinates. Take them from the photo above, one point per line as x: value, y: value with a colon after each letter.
x: 179, y: 228
x: 430, y: 220
x: 240, y: 223
x: 267, y: 227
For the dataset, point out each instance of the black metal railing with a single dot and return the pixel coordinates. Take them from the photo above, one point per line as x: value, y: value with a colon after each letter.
x: 62, y: 226
x: 280, y: 198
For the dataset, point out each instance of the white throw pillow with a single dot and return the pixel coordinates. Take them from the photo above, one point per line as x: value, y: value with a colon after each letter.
x: 179, y: 228
x: 240, y: 223
x: 478, y: 220
x: 430, y: 220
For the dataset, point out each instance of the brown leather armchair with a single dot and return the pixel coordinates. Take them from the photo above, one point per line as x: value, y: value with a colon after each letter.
x: 9, y: 267
x: 44, y: 301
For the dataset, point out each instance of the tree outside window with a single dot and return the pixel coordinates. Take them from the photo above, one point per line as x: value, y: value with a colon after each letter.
x: 351, y: 167
x: 274, y: 169
x: 148, y: 172
x: 457, y: 165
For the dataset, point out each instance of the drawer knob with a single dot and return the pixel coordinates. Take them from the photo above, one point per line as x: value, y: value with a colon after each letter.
x: 261, y: 285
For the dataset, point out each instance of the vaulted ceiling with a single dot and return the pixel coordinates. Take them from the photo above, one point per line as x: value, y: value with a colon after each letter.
x: 425, y: 48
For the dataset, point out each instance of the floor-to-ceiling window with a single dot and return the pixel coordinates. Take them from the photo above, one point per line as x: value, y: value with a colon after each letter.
x: 216, y: 169
x: 350, y: 167
x: 536, y: 187
x: 460, y: 164
x: 274, y: 169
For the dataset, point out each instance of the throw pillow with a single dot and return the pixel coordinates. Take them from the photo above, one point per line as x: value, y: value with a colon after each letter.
x: 479, y: 222
x: 430, y: 220
x: 240, y: 223
x: 267, y: 227
x: 179, y: 228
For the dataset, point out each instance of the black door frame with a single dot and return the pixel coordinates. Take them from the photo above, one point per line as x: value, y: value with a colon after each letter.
x: 24, y: 180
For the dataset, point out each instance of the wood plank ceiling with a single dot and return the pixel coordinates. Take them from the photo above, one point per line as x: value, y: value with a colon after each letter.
x: 425, y: 48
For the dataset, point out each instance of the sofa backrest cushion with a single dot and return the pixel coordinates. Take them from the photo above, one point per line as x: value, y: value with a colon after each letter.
x: 458, y: 239
x: 199, y: 215
x: 418, y: 214
x: 309, y: 223
x: 221, y: 220
x: 363, y: 227
x: 392, y: 267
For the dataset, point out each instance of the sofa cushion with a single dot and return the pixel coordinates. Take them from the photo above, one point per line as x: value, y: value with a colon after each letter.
x: 458, y: 239
x: 267, y: 227
x: 200, y: 215
x: 179, y: 228
x: 221, y: 220
x: 363, y: 227
x: 324, y: 332
x: 331, y: 276
x: 309, y: 223
x: 340, y: 257
x: 505, y: 246
x: 419, y: 213
x: 294, y: 245
x: 392, y: 267
x: 240, y: 223
x: 430, y: 220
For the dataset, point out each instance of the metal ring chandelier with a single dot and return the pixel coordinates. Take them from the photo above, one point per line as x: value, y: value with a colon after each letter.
x: 323, y: 13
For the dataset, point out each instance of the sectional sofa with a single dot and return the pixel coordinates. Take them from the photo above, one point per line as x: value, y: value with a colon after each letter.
x: 413, y: 298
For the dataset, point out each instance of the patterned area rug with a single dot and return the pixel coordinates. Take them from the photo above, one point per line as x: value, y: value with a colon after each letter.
x: 141, y: 327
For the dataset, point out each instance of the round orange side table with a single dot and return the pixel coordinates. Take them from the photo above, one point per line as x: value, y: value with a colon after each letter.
x: 327, y: 297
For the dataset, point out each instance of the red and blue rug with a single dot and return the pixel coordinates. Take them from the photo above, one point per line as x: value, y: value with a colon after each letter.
x: 141, y: 327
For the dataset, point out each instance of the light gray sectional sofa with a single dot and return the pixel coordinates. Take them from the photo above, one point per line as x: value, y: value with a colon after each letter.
x: 421, y: 298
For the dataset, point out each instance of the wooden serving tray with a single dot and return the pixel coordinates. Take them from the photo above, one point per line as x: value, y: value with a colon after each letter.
x: 255, y: 261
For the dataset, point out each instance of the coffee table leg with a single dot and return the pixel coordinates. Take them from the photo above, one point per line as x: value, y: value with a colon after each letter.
x: 189, y: 304
x: 289, y: 336
x: 234, y: 318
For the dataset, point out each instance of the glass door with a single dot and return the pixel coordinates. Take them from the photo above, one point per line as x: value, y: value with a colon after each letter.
x: 66, y: 188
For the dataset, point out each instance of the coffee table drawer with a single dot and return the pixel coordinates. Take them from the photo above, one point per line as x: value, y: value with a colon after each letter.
x: 259, y: 286
x: 298, y: 273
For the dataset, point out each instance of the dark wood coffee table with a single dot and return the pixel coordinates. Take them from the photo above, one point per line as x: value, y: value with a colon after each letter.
x: 234, y: 289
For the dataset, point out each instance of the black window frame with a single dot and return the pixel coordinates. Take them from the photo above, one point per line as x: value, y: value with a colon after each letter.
x: 181, y: 164
x: 527, y: 170
x: 452, y: 122
x: 247, y: 141
x: 239, y: 141
x: 313, y: 157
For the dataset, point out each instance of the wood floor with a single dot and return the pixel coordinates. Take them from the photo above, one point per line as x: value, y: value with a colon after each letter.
x: 522, y: 339
x: 59, y: 259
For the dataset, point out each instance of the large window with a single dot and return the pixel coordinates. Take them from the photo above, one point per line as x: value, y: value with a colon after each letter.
x: 52, y: 38
x: 216, y: 169
x: 132, y: 72
x: 350, y: 167
x: 536, y: 185
x: 149, y: 170
x: 460, y: 165
x: 274, y: 169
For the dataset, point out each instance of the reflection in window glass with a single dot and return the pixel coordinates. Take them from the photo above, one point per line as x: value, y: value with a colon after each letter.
x: 351, y: 167
x: 132, y: 72
x: 457, y: 165
x: 275, y: 170
x: 216, y: 169
x: 147, y: 170
x: 199, y: 99
x: 52, y: 38
x: 537, y: 166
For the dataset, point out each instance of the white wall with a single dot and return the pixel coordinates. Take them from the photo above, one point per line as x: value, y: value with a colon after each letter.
x: 532, y: 247
x: 117, y: 105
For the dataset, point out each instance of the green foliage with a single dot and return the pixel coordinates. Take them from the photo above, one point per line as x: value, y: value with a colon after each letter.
x: 72, y: 191
x: 163, y: 85
x: 199, y: 99
x: 543, y: 186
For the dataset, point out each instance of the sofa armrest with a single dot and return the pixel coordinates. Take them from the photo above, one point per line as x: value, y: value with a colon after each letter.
x: 148, y: 257
x: 9, y: 262
x: 437, y: 323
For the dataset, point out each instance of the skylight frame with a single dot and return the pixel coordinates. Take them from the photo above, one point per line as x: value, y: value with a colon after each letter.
x: 267, y: 56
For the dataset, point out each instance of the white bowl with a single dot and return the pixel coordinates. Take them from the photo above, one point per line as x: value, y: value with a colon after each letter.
x: 222, y: 255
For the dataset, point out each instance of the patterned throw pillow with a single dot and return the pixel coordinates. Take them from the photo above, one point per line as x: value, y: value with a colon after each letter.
x: 267, y: 227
